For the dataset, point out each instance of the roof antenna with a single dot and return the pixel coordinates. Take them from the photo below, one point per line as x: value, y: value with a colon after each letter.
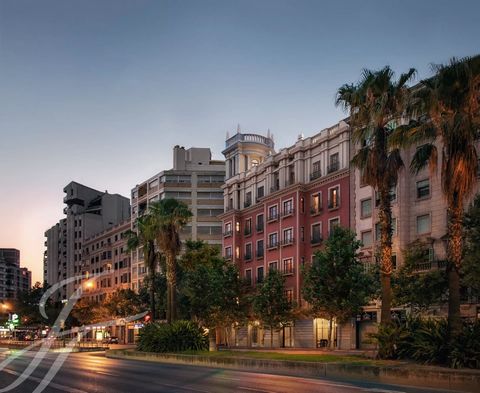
x: 238, y: 128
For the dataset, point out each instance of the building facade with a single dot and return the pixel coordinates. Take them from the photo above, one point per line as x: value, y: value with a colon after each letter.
x: 88, y: 212
x: 278, y: 209
x: 195, y: 179
x: 13, y: 278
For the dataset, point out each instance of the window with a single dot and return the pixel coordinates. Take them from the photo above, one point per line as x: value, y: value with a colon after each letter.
x: 316, y: 233
x: 332, y: 223
x: 334, y: 163
x: 273, y: 240
x: 228, y: 229
x: 248, y: 227
x: 316, y: 171
x: 366, y: 208
x: 302, y: 234
x: 289, y: 295
x: 272, y: 266
x: 423, y: 224
x: 248, y: 276
x: 260, y: 274
x: 237, y: 226
x: 288, y: 236
x: 228, y: 252
x: 334, y: 197
x: 367, y: 238
x: 248, y: 199
x: 316, y: 203
x: 288, y: 207
x: 423, y: 189
x: 260, y: 192
x: 288, y: 266
x: 248, y: 251
x: 273, y: 213
x: 394, y: 261
x: 260, y: 223
x: 302, y: 205
x: 260, y: 249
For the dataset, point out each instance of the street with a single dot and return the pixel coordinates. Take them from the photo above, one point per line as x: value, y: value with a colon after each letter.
x: 93, y: 372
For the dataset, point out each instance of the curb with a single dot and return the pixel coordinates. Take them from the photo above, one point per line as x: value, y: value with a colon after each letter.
x: 408, y: 375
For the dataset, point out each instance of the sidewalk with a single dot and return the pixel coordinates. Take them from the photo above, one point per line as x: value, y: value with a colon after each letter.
x: 403, y: 374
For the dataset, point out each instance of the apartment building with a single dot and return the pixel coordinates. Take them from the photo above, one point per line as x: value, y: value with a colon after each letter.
x: 105, y: 253
x: 13, y: 278
x: 278, y: 209
x: 195, y: 179
x: 88, y: 212
x: 419, y: 214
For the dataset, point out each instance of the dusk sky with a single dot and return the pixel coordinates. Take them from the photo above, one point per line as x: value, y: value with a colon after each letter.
x: 99, y: 91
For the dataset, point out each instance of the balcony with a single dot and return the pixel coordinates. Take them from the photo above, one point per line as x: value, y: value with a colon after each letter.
x: 289, y: 271
x: 247, y: 204
x: 274, y: 188
x: 249, y: 138
x: 260, y: 228
x: 259, y: 254
x: 315, y: 240
x: 247, y: 231
x: 248, y: 257
x: 315, y: 211
x: 228, y: 257
x: 272, y: 217
x: 315, y: 175
x: 333, y: 205
x: 288, y: 212
x: 288, y: 242
x: 333, y: 167
x: 228, y: 233
x: 272, y: 245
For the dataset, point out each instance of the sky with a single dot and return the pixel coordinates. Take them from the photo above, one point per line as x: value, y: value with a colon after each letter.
x: 99, y: 91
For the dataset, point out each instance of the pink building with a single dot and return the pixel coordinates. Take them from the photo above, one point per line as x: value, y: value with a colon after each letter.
x: 279, y: 208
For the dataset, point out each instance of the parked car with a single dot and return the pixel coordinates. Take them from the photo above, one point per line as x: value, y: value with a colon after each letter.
x: 111, y: 340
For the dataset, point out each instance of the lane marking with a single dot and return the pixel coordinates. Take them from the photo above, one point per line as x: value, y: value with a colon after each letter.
x: 380, y: 390
x: 256, y: 390
x: 54, y: 385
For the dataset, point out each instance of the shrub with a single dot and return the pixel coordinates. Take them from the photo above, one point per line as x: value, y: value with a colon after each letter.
x: 426, y: 341
x: 175, y: 337
x: 465, y: 349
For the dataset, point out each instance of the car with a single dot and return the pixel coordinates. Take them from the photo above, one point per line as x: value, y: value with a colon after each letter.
x: 111, y: 340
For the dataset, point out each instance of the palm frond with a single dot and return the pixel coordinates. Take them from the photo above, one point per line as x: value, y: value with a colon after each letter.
x: 424, y: 155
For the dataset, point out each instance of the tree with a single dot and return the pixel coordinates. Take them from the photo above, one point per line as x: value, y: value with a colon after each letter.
x: 27, y: 306
x: 375, y: 103
x: 270, y: 303
x: 447, y: 107
x: 416, y: 289
x: 160, y: 288
x: 123, y: 303
x: 471, y: 263
x: 337, y: 285
x: 170, y: 216
x: 144, y: 237
x: 214, y: 292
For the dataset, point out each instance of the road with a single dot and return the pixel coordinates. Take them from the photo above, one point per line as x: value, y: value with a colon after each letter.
x: 93, y: 372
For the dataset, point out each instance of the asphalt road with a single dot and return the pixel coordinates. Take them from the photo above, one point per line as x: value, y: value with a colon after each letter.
x: 93, y: 372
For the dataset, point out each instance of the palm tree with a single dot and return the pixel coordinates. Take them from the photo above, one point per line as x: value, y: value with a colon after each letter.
x: 448, y: 106
x: 170, y: 217
x: 145, y: 236
x: 375, y: 103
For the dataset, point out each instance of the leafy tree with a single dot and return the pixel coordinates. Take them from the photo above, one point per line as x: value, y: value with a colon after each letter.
x: 123, y: 303
x: 213, y: 289
x: 270, y: 303
x: 145, y: 237
x: 448, y: 108
x: 27, y: 306
x: 160, y: 289
x: 170, y: 216
x: 418, y: 290
x: 337, y: 285
x: 471, y: 263
x: 374, y: 104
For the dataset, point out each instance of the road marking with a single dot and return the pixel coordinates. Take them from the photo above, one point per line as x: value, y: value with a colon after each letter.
x: 256, y: 390
x: 54, y: 385
x: 106, y: 373
x: 379, y: 390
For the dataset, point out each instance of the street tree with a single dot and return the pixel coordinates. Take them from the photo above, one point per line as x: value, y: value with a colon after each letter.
x: 336, y: 285
x: 170, y: 216
x: 375, y: 104
x: 446, y: 109
x: 270, y: 303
